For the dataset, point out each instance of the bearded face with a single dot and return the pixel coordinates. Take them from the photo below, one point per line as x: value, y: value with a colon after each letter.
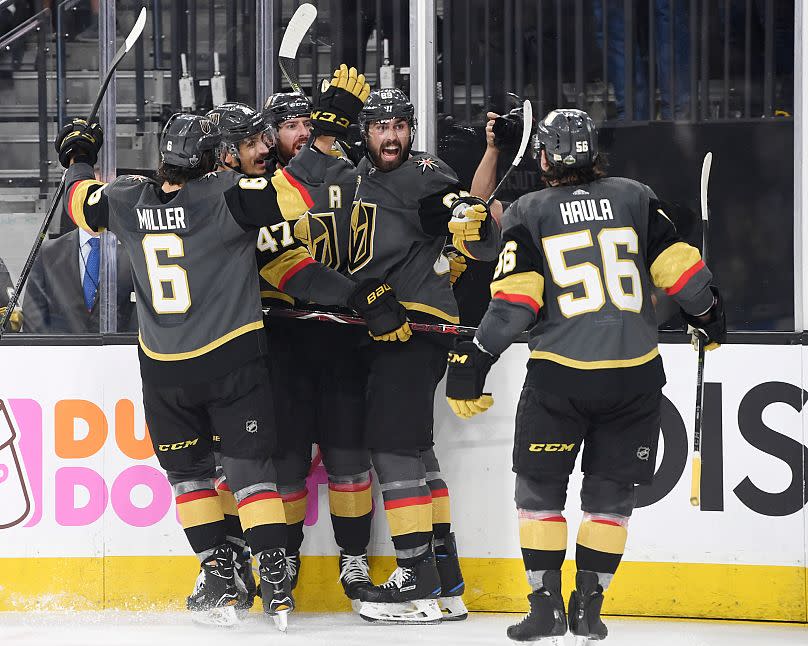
x: 388, y: 143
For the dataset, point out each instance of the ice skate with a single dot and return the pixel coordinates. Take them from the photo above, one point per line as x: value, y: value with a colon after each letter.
x: 408, y: 597
x: 546, y: 623
x: 213, y: 601
x: 293, y: 568
x: 354, y: 574
x: 451, y: 581
x: 584, y: 612
x: 245, y: 581
x: 276, y: 590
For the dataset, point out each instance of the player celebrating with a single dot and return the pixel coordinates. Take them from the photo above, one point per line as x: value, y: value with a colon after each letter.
x: 191, y: 242
x: 578, y: 262
x: 312, y: 359
x: 244, y: 146
x: 399, y: 224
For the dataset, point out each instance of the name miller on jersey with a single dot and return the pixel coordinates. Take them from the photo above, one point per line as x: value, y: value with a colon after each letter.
x: 586, y: 210
x: 161, y: 219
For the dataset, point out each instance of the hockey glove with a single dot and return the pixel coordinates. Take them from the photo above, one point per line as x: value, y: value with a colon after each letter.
x: 339, y: 103
x: 79, y: 141
x: 712, y: 326
x: 508, y: 129
x: 14, y: 321
x: 385, y: 316
x: 457, y: 265
x: 465, y: 379
x: 468, y: 223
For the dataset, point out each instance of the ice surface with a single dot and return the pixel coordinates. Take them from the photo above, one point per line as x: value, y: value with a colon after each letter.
x: 175, y: 629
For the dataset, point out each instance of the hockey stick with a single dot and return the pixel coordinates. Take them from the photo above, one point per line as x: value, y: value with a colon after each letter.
x: 527, y: 125
x: 296, y: 30
x: 695, y: 483
x: 330, y: 317
x: 131, y: 39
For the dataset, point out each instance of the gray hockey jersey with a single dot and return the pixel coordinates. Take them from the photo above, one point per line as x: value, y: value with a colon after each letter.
x: 577, y: 266
x: 398, y: 230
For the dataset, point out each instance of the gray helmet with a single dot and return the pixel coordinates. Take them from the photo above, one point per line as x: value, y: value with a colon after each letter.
x: 237, y: 121
x: 383, y: 105
x: 185, y: 137
x: 569, y: 137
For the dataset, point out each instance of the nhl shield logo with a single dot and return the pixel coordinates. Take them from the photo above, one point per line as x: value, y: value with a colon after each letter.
x: 251, y: 426
x: 643, y: 453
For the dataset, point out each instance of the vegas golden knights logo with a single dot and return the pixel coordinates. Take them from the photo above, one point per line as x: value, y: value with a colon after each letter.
x: 322, y: 239
x: 360, y: 246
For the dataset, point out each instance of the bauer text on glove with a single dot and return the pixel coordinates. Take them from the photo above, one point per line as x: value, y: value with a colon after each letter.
x: 385, y: 316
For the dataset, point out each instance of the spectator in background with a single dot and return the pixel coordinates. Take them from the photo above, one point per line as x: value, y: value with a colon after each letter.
x: 6, y: 292
x: 668, y: 15
x: 63, y: 290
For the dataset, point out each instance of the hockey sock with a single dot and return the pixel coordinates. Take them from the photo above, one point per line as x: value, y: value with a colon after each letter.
x: 294, y: 508
x: 600, y: 544
x: 543, y: 538
x: 235, y: 534
x: 441, y: 515
x: 351, y: 503
x: 408, y: 506
x: 200, y: 514
x: 261, y: 512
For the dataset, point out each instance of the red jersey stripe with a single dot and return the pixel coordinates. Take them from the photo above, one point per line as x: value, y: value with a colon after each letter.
x: 303, y: 263
x: 519, y: 298
x: 684, y: 278
x: 303, y: 192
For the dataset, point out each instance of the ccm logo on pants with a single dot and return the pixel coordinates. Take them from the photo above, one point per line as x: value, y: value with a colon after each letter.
x: 537, y: 448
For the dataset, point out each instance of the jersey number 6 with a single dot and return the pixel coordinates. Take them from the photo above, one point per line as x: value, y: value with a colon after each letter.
x: 161, y: 277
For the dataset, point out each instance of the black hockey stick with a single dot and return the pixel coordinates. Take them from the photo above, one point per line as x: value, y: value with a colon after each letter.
x: 131, y: 39
x: 527, y: 125
x: 330, y: 317
x: 695, y: 483
x: 296, y: 30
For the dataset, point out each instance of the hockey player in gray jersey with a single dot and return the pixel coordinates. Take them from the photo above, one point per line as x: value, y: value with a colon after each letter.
x: 400, y: 221
x: 578, y: 262
x: 191, y: 242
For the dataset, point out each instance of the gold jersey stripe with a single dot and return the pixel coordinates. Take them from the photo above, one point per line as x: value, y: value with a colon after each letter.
x: 291, y: 201
x: 200, y: 512
x: 595, y: 365
x: 350, y: 504
x: 428, y: 309
x: 278, y: 296
x: 274, y: 271
x: 179, y: 356
x: 441, y: 512
x: 266, y: 511
x: 410, y: 519
x: 548, y: 535
x: 602, y: 537
x: 527, y: 283
x: 78, y: 196
x: 228, y: 502
x: 460, y: 245
x: 672, y: 263
x: 295, y: 510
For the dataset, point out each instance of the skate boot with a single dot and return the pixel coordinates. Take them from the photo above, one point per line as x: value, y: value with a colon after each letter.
x: 215, y: 594
x: 409, y: 596
x: 451, y: 581
x: 354, y: 574
x: 293, y: 568
x: 584, y: 612
x: 546, y: 623
x: 276, y: 589
x: 245, y: 581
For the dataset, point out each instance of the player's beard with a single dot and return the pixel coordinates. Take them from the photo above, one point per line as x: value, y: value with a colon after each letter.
x: 285, y: 153
x: 386, y: 162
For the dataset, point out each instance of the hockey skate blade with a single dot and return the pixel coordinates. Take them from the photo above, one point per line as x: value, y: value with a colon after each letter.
x: 224, y: 616
x: 453, y: 608
x: 356, y: 605
x: 544, y: 641
x: 581, y: 640
x: 420, y: 611
x: 281, y: 620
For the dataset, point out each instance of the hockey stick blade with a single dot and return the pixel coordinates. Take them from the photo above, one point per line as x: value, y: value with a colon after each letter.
x: 527, y: 125
x: 705, y: 181
x: 130, y: 41
x: 296, y: 31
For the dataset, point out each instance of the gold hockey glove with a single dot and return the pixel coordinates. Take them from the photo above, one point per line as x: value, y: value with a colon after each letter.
x: 711, y: 326
x: 339, y: 102
x: 14, y: 321
x: 385, y: 316
x: 80, y: 141
x: 468, y: 219
x: 465, y: 379
x: 457, y: 265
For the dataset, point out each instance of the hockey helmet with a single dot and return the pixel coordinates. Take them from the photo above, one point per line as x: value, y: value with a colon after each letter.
x: 237, y: 121
x: 185, y: 137
x: 384, y: 105
x: 281, y: 106
x: 569, y: 138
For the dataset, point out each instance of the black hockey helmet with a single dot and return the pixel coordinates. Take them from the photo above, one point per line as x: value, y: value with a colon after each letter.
x: 237, y: 121
x: 569, y: 138
x: 384, y: 105
x: 282, y: 106
x: 185, y: 137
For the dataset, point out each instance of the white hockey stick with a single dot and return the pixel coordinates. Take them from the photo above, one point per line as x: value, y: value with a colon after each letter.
x: 695, y: 482
x: 296, y: 30
x: 527, y: 125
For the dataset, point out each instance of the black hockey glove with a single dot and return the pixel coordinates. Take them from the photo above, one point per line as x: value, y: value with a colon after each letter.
x: 508, y: 129
x: 385, y: 316
x: 468, y: 223
x: 80, y: 141
x: 465, y: 379
x: 339, y: 103
x: 712, y: 326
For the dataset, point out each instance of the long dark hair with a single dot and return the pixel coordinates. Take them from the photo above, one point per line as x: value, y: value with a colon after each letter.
x: 179, y: 175
x: 561, y: 176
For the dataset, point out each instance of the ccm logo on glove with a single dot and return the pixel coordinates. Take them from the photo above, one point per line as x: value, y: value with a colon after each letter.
x: 330, y: 117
